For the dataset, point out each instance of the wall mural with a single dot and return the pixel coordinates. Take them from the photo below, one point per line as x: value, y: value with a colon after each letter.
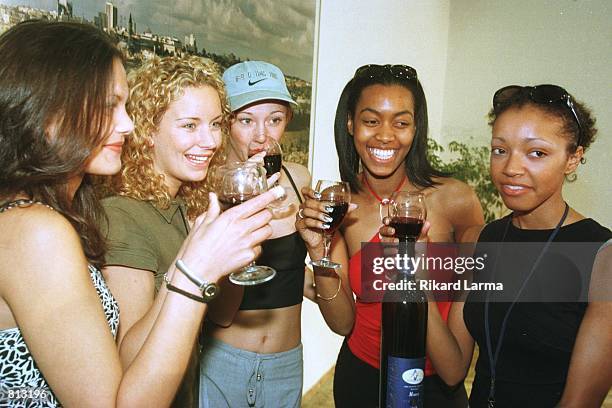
x: 226, y: 31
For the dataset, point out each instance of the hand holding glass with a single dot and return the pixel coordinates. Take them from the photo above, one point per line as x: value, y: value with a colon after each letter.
x: 407, y: 212
x: 274, y: 154
x: 336, y: 195
x: 239, y: 183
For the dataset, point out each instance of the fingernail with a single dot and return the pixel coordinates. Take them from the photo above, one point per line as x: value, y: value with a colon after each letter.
x: 329, y: 208
x: 278, y: 191
x: 327, y: 218
x: 325, y: 226
x: 317, y: 195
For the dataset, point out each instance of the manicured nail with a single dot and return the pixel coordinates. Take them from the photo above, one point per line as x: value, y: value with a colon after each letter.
x: 329, y: 208
x: 278, y: 191
x: 325, y: 226
x: 327, y: 218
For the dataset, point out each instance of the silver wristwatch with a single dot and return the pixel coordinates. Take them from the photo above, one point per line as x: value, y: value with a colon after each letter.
x: 209, y: 290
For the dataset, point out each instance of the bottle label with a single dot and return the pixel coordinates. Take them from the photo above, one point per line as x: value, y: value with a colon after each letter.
x: 405, y: 382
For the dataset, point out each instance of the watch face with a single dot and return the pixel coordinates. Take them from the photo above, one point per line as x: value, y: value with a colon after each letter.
x: 210, y: 291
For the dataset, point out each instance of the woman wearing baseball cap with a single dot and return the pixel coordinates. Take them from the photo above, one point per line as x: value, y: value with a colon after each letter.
x: 252, y: 352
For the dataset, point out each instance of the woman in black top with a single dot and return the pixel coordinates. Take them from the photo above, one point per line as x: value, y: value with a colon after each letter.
x: 252, y: 352
x: 550, y: 353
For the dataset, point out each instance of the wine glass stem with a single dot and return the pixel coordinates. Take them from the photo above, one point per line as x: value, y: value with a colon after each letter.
x: 327, y: 239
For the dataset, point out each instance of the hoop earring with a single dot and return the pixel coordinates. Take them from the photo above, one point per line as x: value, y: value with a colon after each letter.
x: 571, y: 177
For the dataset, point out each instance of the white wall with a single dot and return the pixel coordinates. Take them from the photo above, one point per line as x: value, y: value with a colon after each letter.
x: 351, y: 34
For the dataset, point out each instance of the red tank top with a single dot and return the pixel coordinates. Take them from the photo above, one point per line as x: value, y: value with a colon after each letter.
x: 364, y: 340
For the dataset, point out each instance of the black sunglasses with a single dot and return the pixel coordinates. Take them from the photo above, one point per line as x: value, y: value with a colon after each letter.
x: 542, y: 94
x: 376, y: 71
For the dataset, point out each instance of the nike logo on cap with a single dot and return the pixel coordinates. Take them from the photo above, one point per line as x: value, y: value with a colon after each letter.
x: 251, y: 83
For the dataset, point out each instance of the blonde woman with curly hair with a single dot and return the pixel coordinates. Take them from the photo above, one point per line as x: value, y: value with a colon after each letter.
x: 180, y: 113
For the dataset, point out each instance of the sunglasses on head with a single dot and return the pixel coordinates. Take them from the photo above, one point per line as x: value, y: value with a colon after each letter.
x: 541, y: 94
x: 376, y: 71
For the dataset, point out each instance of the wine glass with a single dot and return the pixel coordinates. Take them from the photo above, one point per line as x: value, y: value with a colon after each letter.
x: 407, y: 212
x: 337, y: 195
x: 273, y: 161
x: 239, y: 183
x: 274, y: 155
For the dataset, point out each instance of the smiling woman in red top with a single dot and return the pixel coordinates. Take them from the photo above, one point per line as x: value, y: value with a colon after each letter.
x: 381, y: 139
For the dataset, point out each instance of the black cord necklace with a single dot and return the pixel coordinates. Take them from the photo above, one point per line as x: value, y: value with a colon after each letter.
x: 493, y: 358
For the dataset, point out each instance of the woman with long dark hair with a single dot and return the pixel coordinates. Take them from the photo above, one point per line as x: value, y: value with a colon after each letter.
x: 381, y: 138
x: 63, y: 91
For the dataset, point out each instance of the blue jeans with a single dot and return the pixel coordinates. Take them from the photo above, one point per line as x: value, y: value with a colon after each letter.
x: 231, y: 377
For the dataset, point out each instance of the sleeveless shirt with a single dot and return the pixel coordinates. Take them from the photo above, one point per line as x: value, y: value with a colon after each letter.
x: 18, y: 370
x: 534, y: 359
x: 286, y: 255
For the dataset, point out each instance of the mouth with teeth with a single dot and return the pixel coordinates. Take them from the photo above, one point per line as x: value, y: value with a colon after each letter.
x: 513, y: 189
x: 382, y: 155
x: 198, y: 160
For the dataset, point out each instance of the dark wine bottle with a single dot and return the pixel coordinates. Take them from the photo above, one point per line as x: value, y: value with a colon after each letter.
x: 402, y: 351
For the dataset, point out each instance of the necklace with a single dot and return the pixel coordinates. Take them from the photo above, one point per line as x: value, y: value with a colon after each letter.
x: 22, y: 202
x: 493, y: 357
x: 383, y: 201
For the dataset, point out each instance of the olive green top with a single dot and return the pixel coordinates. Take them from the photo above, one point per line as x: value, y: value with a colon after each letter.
x: 142, y: 236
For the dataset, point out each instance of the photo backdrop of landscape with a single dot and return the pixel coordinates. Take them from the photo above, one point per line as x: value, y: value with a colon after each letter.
x: 226, y: 31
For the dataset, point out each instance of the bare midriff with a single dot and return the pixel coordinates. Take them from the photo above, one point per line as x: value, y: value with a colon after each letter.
x: 261, y: 331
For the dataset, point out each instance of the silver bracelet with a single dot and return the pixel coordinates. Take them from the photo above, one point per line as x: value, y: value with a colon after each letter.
x: 209, y: 290
x: 187, y: 272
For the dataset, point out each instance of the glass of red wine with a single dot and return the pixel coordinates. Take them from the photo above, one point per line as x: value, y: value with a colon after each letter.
x: 272, y: 162
x: 238, y: 183
x: 337, y: 196
x: 273, y: 159
x: 407, y: 212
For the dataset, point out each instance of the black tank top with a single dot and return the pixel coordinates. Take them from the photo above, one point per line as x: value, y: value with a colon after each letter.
x: 534, y: 359
x: 286, y: 255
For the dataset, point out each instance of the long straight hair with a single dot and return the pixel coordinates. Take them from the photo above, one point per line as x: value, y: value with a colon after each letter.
x: 55, y: 79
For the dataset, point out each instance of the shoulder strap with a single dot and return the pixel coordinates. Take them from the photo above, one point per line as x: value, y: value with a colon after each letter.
x: 293, y: 184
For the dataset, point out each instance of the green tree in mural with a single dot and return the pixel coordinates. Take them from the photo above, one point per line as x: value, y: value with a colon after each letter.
x: 471, y: 165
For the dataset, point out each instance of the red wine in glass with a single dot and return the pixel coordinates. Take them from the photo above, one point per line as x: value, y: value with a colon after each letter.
x: 337, y: 196
x: 240, y: 182
x: 272, y: 163
x: 232, y: 200
x: 407, y: 228
x: 337, y: 214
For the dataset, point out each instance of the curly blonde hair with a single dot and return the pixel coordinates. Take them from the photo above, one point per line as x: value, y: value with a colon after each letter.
x: 153, y: 87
